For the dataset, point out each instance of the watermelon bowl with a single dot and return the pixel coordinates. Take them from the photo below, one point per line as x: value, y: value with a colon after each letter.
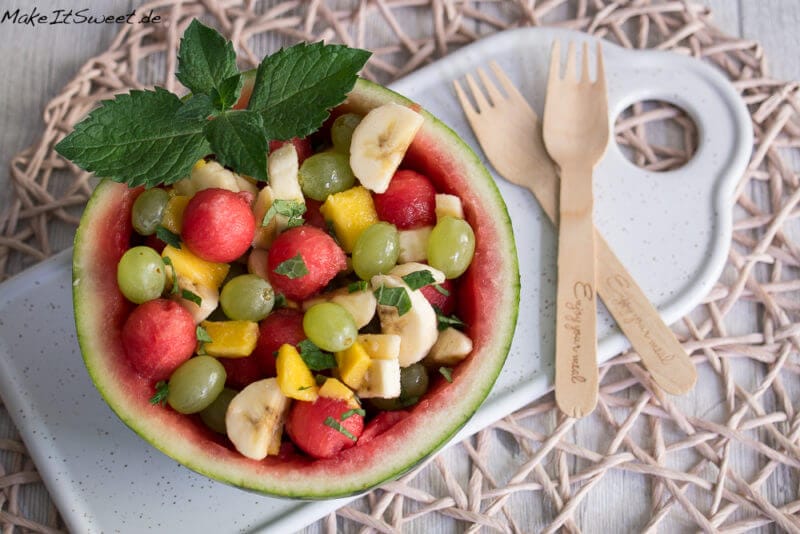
x: 488, y: 299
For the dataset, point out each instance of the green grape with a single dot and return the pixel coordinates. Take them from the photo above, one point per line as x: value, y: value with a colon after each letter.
x: 141, y: 274
x: 330, y: 327
x: 247, y: 297
x: 451, y: 246
x: 325, y: 173
x: 148, y: 210
x: 413, y: 385
x: 214, y: 414
x: 342, y: 131
x: 376, y: 250
x: 195, y: 384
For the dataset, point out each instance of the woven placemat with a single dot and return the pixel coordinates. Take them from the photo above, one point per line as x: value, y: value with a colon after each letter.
x: 730, y: 464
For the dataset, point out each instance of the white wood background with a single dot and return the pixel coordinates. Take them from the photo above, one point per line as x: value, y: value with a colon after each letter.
x: 36, y: 62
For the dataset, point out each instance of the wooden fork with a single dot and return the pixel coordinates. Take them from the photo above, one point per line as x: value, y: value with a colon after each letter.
x: 510, y: 134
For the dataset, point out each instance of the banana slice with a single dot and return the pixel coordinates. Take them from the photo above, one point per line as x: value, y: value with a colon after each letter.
x: 209, y: 299
x: 379, y: 143
x: 416, y: 328
x: 361, y: 304
x: 404, y: 269
x: 451, y: 347
x: 255, y: 417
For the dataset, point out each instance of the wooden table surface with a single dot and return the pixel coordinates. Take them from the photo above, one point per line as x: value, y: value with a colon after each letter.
x: 37, y: 61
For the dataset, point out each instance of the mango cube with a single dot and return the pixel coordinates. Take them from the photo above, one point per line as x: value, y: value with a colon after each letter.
x: 353, y: 364
x: 172, y: 218
x: 197, y: 270
x: 334, y: 389
x: 351, y: 212
x: 230, y: 339
x: 294, y: 376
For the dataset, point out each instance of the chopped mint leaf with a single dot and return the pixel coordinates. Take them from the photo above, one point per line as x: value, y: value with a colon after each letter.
x: 447, y: 373
x: 280, y: 300
x: 443, y: 322
x: 320, y: 379
x: 137, y: 139
x: 293, y: 267
x: 197, y: 107
x: 350, y: 413
x: 293, y: 209
x: 237, y: 138
x: 296, y: 86
x: 193, y: 297
x: 334, y: 424
x: 419, y: 279
x: 168, y: 237
x: 160, y: 396
x: 314, y: 357
x: 227, y: 94
x: 175, y: 288
x: 205, y: 59
x: 354, y: 287
x: 202, y: 335
x: 440, y: 288
x: 303, y: 388
x: 394, y: 296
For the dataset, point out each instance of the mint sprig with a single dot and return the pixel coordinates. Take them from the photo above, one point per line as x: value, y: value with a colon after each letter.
x: 153, y: 137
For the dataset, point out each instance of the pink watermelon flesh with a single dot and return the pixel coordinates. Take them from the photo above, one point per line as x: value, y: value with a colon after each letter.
x: 488, y: 290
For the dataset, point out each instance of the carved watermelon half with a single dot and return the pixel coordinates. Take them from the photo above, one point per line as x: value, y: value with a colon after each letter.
x: 489, y: 297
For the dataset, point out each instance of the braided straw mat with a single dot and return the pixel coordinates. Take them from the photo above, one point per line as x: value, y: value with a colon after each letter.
x: 730, y: 462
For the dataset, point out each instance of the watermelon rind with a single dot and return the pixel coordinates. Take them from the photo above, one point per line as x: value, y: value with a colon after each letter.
x: 494, y: 284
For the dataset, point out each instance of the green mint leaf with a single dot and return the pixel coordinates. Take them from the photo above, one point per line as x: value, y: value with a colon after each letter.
x: 334, y: 424
x: 228, y: 93
x: 202, y: 335
x: 197, y: 107
x: 170, y: 238
x: 443, y: 321
x: 137, y: 139
x: 394, y: 296
x: 440, y: 288
x: 160, y: 396
x: 293, y: 267
x: 315, y: 358
x: 447, y: 373
x: 351, y: 413
x: 354, y: 287
x: 320, y: 379
x: 419, y: 279
x: 205, y: 59
x: 168, y: 262
x: 237, y: 139
x: 193, y: 297
x: 295, y: 87
x: 293, y: 209
x: 280, y: 300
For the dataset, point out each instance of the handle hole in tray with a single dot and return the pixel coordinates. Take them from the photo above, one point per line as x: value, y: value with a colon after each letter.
x: 656, y: 135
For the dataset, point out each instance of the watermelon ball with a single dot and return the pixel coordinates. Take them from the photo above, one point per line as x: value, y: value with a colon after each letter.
x: 241, y: 372
x: 318, y: 427
x: 283, y: 325
x: 158, y: 336
x: 302, y: 260
x: 443, y: 298
x: 409, y: 201
x: 218, y: 225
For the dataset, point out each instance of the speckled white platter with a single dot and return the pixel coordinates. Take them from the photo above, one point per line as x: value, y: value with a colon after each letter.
x: 671, y: 229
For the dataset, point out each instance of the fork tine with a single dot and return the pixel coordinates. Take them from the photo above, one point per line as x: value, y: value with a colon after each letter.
x: 554, y: 74
x: 505, y: 82
x: 570, y: 73
x: 601, y: 73
x: 585, y: 63
x: 466, y: 105
x: 477, y: 94
x: 494, y: 94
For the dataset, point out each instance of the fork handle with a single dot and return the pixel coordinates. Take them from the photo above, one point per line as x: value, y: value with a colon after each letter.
x: 576, y: 298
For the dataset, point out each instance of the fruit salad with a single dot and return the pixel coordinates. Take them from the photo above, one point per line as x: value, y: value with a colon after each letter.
x: 299, y: 312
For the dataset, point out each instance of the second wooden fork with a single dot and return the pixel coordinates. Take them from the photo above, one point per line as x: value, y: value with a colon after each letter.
x: 576, y: 131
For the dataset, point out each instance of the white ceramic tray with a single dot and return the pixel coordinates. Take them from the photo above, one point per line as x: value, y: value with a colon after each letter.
x: 671, y: 229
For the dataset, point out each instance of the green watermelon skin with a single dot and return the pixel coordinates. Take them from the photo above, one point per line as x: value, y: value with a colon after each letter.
x: 488, y: 302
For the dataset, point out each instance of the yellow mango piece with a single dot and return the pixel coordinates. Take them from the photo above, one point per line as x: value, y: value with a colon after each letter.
x: 172, y: 219
x: 201, y: 272
x: 294, y: 376
x: 334, y: 389
x: 351, y: 212
x: 353, y: 364
x: 230, y: 339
